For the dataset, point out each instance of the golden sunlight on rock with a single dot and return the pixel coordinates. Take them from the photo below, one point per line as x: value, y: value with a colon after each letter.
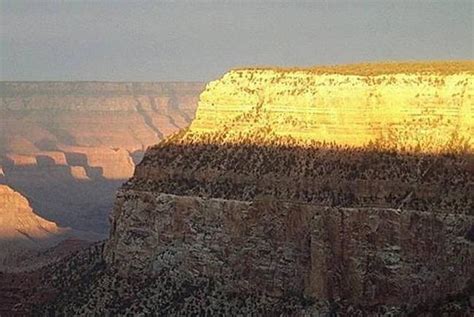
x: 79, y: 173
x: 17, y: 219
x: 422, y: 107
x: 21, y: 230
x: 329, y: 173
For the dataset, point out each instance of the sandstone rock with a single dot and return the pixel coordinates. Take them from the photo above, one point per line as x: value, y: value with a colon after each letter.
x: 28, y: 241
x: 48, y: 158
x: 342, y: 184
x: 79, y: 173
x: 18, y: 160
x: 17, y: 216
x: 94, y: 114
x: 425, y: 107
x: 260, y: 209
x: 365, y: 255
x: 20, y: 228
x: 71, y: 144
x: 100, y: 161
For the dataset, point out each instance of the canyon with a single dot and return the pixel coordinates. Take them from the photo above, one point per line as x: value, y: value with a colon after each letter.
x: 295, y: 191
x: 29, y: 242
x: 313, y: 182
x: 67, y: 146
x: 21, y: 229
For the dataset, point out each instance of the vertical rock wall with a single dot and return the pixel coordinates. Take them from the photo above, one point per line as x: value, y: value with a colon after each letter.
x: 346, y: 182
x: 364, y: 255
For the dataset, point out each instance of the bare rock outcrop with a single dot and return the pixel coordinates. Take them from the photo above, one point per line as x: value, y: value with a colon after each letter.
x: 368, y: 256
x: 21, y: 229
x: 348, y: 183
x: 422, y: 106
x: 18, y: 217
x: 28, y: 241
x: 67, y: 146
x: 47, y: 116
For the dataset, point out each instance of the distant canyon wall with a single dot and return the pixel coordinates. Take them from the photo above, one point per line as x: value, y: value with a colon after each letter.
x: 28, y: 241
x: 40, y: 118
x: 68, y: 145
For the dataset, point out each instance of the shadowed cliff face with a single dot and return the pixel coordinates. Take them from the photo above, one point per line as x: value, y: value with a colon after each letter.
x: 325, y: 221
x: 369, y: 256
x: 322, y: 184
x: 277, y: 202
x: 67, y: 146
x: 326, y: 175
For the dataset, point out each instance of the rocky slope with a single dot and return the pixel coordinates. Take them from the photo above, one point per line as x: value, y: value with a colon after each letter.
x: 68, y: 145
x: 254, y: 210
x: 21, y: 230
x: 299, y: 182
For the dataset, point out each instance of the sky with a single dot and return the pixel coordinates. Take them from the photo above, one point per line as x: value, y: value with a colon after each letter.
x: 113, y: 40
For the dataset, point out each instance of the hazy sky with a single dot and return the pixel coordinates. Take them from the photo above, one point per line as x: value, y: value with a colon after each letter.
x: 200, y: 40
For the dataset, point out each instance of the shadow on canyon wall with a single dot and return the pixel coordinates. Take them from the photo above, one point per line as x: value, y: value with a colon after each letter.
x: 67, y: 146
x: 328, y: 175
x: 279, y: 225
x: 58, y: 195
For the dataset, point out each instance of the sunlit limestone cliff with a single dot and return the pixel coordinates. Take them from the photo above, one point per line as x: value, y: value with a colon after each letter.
x: 303, y: 192
x: 426, y: 106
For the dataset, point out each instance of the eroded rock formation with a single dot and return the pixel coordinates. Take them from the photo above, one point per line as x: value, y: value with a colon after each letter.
x: 18, y: 217
x: 21, y: 229
x: 131, y: 116
x: 346, y: 183
x: 68, y: 145
x: 365, y: 255
x: 428, y: 107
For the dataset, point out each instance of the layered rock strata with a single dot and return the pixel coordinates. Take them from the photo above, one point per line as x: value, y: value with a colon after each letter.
x: 297, y: 181
x: 18, y: 217
x: 368, y: 256
x: 67, y: 146
x: 78, y: 118
x: 21, y: 229
x: 425, y: 107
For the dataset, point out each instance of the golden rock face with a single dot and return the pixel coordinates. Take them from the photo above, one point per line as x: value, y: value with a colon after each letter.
x: 17, y: 218
x: 254, y: 182
x: 424, y: 107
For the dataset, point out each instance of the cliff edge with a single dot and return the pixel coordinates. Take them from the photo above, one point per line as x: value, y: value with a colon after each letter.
x: 425, y: 107
x: 349, y: 184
